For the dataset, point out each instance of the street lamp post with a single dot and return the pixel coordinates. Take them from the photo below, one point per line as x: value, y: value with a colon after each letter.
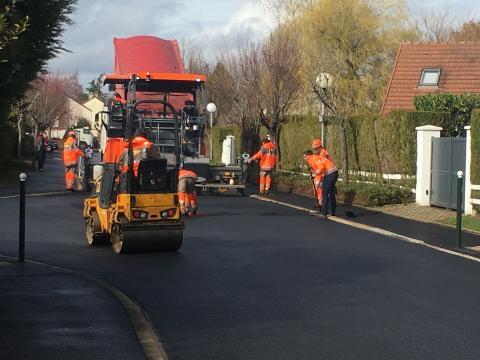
x: 211, y: 108
x: 322, y: 81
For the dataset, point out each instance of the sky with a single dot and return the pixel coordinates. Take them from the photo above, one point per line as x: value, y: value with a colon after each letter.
x: 209, y: 24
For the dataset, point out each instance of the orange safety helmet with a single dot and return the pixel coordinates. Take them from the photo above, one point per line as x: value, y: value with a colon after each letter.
x: 72, y: 133
x: 316, y: 143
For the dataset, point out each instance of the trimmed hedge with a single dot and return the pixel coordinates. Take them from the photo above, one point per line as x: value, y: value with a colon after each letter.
x: 360, y: 193
x: 475, y: 147
x: 382, y: 144
x: 458, y: 106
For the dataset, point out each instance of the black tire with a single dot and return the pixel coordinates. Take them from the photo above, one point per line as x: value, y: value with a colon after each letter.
x: 93, y: 233
x: 117, y: 240
x: 242, y: 192
x: 82, y: 145
x: 49, y: 148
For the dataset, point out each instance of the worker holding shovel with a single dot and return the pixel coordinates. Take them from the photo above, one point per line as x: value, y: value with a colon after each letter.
x: 309, y: 158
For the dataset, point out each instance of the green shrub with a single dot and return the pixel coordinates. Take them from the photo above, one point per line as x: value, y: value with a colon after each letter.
x: 475, y: 147
x: 382, y: 144
x: 361, y: 193
x: 458, y: 106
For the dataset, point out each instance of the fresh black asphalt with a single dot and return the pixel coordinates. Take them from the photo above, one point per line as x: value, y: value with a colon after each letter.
x: 260, y: 281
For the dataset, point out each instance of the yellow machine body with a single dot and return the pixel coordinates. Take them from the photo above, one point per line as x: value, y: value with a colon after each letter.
x: 135, y: 222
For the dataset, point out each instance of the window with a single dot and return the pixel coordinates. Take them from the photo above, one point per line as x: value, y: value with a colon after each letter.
x: 430, y: 77
x: 86, y: 131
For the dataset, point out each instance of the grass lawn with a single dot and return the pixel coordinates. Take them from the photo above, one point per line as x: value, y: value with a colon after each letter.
x: 468, y: 222
x: 9, y: 175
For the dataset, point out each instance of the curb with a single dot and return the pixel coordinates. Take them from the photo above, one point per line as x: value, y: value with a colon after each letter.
x: 52, y: 193
x: 149, y: 342
x: 371, y: 229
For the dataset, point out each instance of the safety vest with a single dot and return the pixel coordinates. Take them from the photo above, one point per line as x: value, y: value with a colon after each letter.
x: 321, y: 166
x: 71, y: 152
x: 267, y: 156
x: 140, y: 145
x: 324, y: 153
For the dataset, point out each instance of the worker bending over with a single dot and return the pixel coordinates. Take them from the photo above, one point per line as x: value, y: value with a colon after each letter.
x: 187, y: 195
x: 310, y: 158
x: 326, y: 170
x: 268, y: 158
x: 71, y: 155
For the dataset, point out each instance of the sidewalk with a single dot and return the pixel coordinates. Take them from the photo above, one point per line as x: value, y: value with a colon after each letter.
x: 49, y: 313
x: 50, y: 180
x: 428, y: 232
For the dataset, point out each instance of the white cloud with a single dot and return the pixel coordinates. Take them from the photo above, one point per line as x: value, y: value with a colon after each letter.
x: 205, y: 23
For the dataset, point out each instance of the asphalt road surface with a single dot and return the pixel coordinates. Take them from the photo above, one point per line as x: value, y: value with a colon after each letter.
x: 260, y: 281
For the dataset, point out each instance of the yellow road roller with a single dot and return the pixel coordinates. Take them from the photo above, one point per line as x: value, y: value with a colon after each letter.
x: 136, y: 208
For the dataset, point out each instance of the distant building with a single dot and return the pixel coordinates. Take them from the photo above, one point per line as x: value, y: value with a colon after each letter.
x: 423, y: 68
x: 74, y: 112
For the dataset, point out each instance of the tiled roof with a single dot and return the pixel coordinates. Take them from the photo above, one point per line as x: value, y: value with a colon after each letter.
x: 459, y: 64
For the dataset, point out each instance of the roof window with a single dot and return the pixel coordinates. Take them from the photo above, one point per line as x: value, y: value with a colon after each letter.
x: 430, y: 77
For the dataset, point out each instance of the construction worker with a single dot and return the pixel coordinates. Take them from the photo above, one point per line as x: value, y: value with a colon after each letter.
x: 268, y: 158
x: 142, y: 149
x: 327, y: 171
x: 310, y: 158
x: 187, y: 195
x: 118, y: 98
x: 318, y: 149
x: 71, y: 155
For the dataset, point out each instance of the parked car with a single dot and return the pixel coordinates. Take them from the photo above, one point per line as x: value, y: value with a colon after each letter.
x: 51, y: 145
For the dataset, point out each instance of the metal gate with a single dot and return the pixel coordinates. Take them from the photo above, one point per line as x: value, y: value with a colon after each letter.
x: 448, y: 157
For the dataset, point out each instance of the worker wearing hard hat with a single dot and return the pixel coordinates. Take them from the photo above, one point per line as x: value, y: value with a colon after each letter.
x: 187, y: 196
x: 318, y: 149
x: 310, y: 159
x: 268, y: 159
x: 326, y: 170
x: 142, y: 149
x: 118, y: 98
x: 71, y: 155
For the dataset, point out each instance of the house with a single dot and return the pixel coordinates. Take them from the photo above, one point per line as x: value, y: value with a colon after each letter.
x: 76, y: 111
x: 423, y: 68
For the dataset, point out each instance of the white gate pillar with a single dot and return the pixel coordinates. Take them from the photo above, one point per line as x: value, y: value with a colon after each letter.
x: 424, y: 162
x: 468, y: 164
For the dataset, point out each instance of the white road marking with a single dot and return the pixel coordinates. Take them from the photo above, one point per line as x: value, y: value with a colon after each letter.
x: 370, y: 228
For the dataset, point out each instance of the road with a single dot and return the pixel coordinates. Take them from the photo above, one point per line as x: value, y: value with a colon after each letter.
x: 260, y: 281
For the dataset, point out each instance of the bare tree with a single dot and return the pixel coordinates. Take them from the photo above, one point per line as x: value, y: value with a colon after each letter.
x: 234, y: 86
x: 46, y: 101
x: 436, y: 25
x: 281, y: 79
x: 193, y: 58
x: 468, y: 31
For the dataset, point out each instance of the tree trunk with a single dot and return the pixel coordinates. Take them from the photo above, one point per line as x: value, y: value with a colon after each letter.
x: 278, y: 129
x: 343, y: 145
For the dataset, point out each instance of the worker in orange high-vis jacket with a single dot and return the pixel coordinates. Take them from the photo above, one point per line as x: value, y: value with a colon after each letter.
x: 187, y: 195
x: 310, y: 158
x: 142, y: 149
x: 71, y: 155
x: 318, y: 149
x: 327, y: 170
x: 268, y: 159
